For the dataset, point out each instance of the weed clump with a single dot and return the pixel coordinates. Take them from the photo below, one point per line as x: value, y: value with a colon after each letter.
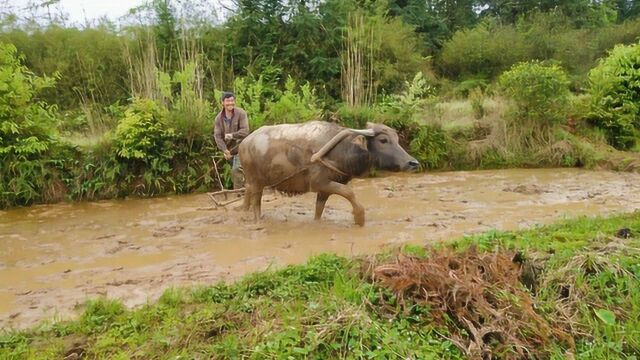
x: 478, y: 297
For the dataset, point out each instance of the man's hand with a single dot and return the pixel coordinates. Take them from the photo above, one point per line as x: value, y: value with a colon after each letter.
x: 228, y: 137
x: 227, y: 154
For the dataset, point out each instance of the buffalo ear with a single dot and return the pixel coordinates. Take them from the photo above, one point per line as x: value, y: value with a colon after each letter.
x: 360, y: 141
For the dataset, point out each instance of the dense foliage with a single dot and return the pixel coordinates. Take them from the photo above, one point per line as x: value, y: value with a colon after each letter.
x: 306, y: 41
x: 133, y: 104
x: 28, y: 166
x: 540, y: 93
x: 615, y: 91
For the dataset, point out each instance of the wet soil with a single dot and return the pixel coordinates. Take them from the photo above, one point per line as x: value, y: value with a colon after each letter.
x: 52, y: 257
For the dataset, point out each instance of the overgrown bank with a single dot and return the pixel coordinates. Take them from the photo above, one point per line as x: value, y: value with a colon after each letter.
x: 570, y: 289
x: 161, y: 141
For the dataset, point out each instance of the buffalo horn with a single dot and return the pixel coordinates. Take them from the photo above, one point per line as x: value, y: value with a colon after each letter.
x: 336, y: 139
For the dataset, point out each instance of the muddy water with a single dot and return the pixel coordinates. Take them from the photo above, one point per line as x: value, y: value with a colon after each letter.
x: 54, y: 257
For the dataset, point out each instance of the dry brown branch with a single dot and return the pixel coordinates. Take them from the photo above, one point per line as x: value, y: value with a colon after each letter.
x: 483, y: 295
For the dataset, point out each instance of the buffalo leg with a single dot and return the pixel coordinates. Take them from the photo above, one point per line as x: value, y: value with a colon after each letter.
x: 246, y: 203
x: 321, y: 200
x: 256, y: 202
x: 346, y: 192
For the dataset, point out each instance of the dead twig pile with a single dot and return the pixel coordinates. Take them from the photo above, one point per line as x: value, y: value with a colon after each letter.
x: 493, y: 315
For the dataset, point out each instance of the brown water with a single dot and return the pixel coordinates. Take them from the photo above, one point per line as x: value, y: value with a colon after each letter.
x: 55, y: 256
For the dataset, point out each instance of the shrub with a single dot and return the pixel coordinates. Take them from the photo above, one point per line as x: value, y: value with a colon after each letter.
x: 27, y: 127
x: 486, y: 49
x: 615, y: 94
x: 491, y: 47
x: 429, y: 146
x: 400, y: 110
x: 27, y: 135
x: 294, y: 106
x: 465, y: 87
x: 191, y: 115
x: 142, y: 134
x: 145, y: 145
x: 539, y: 92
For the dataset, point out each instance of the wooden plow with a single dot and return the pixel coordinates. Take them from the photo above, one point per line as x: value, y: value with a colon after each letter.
x: 224, y: 197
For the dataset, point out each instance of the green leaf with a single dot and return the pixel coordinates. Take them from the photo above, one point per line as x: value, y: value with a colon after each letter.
x: 607, y: 317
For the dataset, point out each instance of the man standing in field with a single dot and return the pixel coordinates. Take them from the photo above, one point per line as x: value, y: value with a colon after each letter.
x: 231, y: 127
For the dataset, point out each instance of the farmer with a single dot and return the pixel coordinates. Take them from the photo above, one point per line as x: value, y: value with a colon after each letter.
x: 231, y: 127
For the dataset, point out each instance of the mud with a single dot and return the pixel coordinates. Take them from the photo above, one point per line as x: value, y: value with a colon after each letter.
x: 53, y: 257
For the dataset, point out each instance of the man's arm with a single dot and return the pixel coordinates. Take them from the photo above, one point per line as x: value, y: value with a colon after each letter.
x: 243, y: 127
x: 218, y: 135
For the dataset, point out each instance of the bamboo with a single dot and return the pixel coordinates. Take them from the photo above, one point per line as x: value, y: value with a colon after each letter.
x: 359, y: 53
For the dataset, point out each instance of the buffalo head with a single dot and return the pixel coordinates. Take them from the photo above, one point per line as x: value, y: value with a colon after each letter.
x: 386, y: 152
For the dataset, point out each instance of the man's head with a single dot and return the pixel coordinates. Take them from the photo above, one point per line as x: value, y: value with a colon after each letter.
x: 228, y: 101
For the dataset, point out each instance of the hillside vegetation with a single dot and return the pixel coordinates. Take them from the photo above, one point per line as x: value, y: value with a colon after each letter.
x: 108, y: 110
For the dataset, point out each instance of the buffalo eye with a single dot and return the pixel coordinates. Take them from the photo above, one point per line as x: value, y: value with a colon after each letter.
x: 384, y: 140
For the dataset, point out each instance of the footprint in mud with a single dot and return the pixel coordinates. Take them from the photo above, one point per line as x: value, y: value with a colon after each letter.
x: 167, y: 231
x: 108, y: 236
x: 210, y: 220
x: 122, y: 245
x: 527, y: 189
x: 125, y: 282
x: 438, y: 225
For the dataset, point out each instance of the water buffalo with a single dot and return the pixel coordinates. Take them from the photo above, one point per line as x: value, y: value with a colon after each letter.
x: 317, y: 156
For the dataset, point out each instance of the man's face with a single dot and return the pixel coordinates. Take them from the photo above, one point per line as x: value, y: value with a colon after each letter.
x: 229, y: 103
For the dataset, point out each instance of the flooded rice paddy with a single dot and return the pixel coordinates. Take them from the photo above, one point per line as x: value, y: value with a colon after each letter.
x: 52, y: 257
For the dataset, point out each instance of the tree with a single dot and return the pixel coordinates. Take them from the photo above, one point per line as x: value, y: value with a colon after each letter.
x: 435, y: 20
x: 627, y: 9
x: 583, y: 12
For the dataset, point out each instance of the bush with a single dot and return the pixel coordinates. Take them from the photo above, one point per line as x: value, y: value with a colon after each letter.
x: 539, y: 92
x: 293, y: 106
x: 615, y: 94
x: 400, y: 110
x: 465, y: 87
x: 491, y: 47
x: 89, y: 60
x: 27, y: 125
x: 142, y: 135
x: 191, y: 115
x: 430, y: 146
x: 28, y: 173
x: 485, y: 50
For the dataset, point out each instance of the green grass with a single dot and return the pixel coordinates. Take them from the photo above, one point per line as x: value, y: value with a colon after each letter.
x: 84, y: 141
x: 458, y: 114
x: 491, y: 143
x: 326, y: 308
x: 330, y: 308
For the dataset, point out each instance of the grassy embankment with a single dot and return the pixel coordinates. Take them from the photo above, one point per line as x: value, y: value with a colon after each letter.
x: 469, y: 141
x: 561, y: 291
